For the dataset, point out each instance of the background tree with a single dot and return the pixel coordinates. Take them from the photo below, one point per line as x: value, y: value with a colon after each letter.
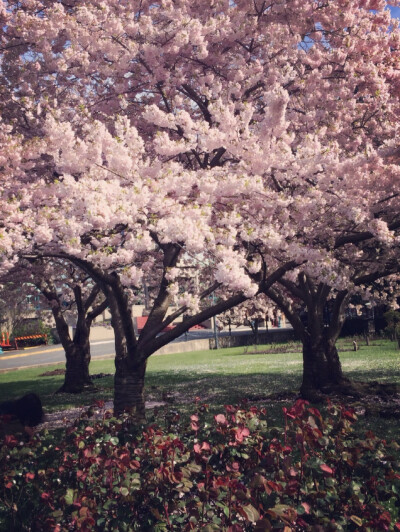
x: 71, y: 294
x: 72, y: 298
x: 392, y: 318
x: 251, y: 313
x: 15, y: 306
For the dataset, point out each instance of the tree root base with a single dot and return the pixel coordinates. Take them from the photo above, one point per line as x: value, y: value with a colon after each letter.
x: 87, y: 387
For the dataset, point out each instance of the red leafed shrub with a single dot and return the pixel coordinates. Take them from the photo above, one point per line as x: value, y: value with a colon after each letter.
x: 231, y: 474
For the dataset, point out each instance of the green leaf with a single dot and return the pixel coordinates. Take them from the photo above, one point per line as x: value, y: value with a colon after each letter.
x: 194, y: 468
x: 70, y: 496
x: 251, y: 513
x: 356, y: 520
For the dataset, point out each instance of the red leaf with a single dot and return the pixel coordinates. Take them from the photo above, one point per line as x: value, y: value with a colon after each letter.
x: 9, y: 485
x: 10, y: 440
x: 241, y: 433
x: 349, y: 414
x: 306, y: 507
x: 221, y: 419
x: 326, y: 469
x: 288, y: 413
x: 273, y: 486
x: 315, y: 412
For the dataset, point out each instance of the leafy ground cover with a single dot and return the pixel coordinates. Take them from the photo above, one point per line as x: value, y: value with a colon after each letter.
x: 233, y: 473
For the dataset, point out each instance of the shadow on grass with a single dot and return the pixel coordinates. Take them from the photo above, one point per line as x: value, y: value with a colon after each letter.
x: 183, y: 390
x: 380, y: 375
x: 46, y: 388
x: 179, y: 391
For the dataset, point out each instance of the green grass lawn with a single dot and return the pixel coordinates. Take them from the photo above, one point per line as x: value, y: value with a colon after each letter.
x: 224, y: 376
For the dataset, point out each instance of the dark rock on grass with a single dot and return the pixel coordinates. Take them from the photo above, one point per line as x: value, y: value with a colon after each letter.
x: 28, y: 410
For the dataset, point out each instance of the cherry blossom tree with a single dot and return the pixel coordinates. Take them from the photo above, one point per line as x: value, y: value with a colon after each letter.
x: 14, y: 308
x: 251, y: 313
x: 199, y: 146
x: 71, y: 294
x: 72, y: 297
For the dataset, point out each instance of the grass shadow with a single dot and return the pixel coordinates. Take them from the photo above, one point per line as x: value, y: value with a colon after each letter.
x: 46, y: 388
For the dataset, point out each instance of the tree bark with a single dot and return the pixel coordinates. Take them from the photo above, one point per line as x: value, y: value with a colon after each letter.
x: 322, y: 370
x: 77, y: 376
x: 130, y: 361
x: 129, y: 390
x: 77, y: 355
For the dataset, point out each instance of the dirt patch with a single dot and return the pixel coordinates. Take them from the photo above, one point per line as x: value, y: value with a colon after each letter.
x: 62, y: 372
x: 66, y: 418
x: 275, y: 397
x: 274, y: 351
x: 52, y: 373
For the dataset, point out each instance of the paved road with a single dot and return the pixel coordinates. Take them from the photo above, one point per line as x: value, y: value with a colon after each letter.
x: 49, y: 354
x: 54, y: 354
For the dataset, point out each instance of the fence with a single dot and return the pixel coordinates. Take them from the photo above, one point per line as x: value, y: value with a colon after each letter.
x: 265, y: 337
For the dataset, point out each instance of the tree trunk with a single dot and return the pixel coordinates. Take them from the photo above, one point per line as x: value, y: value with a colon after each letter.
x: 322, y: 370
x: 130, y: 360
x: 77, y: 354
x: 255, y: 332
x: 129, y: 390
x: 77, y: 350
x: 319, y: 331
x: 76, y: 370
